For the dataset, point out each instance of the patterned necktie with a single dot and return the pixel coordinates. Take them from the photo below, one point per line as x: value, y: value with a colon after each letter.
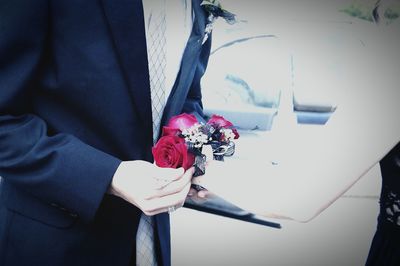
x: 157, y: 65
x: 145, y: 254
x: 156, y: 45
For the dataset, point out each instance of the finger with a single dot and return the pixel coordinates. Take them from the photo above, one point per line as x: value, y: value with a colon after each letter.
x: 163, y: 188
x: 178, y: 185
x: 198, y: 180
x: 169, y: 174
x: 203, y: 193
x: 161, y: 210
x: 177, y: 204
x: 155, y: 204
x: 192, y: 192
x: 197, y: 199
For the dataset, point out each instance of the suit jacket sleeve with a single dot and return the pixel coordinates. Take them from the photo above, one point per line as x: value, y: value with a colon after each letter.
x: 58, y: 169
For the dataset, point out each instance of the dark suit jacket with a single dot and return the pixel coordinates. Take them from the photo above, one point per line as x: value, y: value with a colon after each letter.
x: 74, y: 102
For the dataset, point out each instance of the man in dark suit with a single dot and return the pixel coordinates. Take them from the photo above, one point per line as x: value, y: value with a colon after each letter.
x: 76, y: 131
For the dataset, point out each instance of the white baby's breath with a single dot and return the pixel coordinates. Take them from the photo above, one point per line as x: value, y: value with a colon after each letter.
x: 228, y: 134
x: 195, y: 135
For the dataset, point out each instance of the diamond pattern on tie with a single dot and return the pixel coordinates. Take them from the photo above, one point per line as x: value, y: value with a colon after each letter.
x: 157, y: 65
x: 145, y: 255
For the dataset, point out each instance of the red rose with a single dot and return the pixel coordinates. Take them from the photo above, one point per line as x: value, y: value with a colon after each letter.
x: 218, y: 121
x: 172, y: 152
x: 182, y: 121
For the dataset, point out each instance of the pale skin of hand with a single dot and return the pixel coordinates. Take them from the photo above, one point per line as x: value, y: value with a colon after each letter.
x: 151, y: 188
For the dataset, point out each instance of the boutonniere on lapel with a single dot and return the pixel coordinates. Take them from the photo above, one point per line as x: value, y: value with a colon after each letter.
x: 215, y: 10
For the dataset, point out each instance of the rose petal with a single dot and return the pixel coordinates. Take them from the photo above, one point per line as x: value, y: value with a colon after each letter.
x: 182, y: 121
x: 171, y: 151
x: 219, y: 121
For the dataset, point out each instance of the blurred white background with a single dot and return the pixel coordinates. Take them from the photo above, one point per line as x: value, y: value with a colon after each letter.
x: 278, y: 50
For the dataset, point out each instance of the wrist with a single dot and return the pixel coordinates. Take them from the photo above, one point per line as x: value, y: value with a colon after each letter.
x: 112, y: 188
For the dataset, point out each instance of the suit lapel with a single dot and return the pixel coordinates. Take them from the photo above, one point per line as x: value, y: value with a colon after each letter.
x: 126, y: 22
x: 188, y: 65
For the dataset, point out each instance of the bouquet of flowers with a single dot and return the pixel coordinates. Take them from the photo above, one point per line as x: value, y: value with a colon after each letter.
x: 184, y: 136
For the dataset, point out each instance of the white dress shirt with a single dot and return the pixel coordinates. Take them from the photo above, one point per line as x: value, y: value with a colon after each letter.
x: 179, y: 25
